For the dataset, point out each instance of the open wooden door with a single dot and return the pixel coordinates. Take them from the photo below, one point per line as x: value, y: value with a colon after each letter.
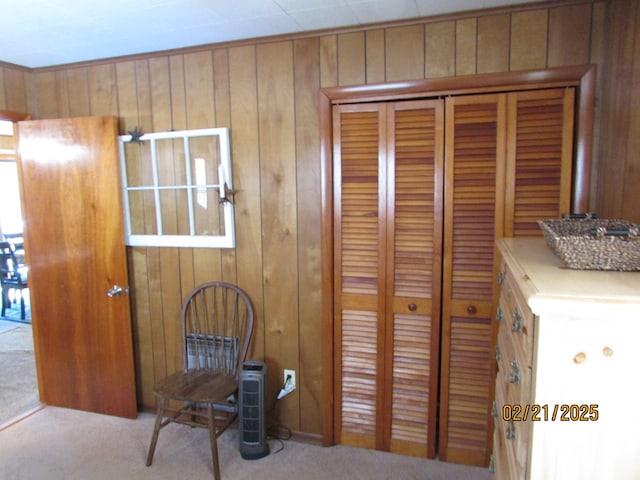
x: 75, y: 251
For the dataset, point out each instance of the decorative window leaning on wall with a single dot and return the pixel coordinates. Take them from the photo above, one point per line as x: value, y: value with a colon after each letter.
x: 177, y: 188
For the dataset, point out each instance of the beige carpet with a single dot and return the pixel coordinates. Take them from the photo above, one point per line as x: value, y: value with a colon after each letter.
x: 18, y: 384
x: 57, y: 444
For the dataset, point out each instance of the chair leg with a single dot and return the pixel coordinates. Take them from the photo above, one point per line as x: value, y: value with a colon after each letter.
x: 214, y: 442
x: 5, y: 300
x: 22, y: 309
x: 156, y: 430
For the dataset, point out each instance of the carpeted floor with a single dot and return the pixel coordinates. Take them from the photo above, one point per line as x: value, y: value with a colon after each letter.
x: 57, y: 444
x: 18, y: 384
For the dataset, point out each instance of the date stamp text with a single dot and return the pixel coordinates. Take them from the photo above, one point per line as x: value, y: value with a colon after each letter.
x: 515, y: 412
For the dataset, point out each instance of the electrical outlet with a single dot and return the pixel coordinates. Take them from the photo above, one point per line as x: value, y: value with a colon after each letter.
x: 292, y: 381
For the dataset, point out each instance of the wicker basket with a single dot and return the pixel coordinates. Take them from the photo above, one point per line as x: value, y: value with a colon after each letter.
x: 594, y: 244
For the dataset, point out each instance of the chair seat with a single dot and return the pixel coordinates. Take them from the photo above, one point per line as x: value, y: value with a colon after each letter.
x: 197, y: 386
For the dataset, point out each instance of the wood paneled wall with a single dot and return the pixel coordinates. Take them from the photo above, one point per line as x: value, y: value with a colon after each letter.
x: 266, y: 93
x: 618, y: 175
x: 15, y: 91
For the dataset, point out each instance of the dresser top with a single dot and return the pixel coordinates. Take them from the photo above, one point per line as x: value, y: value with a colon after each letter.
x: 552, y: 289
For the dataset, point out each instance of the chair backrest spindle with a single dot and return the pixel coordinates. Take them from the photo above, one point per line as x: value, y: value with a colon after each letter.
x: 217, y: 324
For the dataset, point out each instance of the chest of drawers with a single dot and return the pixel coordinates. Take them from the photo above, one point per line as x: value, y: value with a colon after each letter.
x: 567, y: 358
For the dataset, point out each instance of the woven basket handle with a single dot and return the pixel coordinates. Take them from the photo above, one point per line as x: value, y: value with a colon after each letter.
x: 579, y: 216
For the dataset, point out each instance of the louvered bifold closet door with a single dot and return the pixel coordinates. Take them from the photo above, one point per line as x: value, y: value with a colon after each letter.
x: 414, y: 262
x: 387, y: 221
x: 540, y: 131
x: 359, y: 200
x: 474, y: 211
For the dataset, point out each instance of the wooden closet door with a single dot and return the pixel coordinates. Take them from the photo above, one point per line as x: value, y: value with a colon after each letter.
x: 540, y: 129
x: 413, y: 281
x: 360, y: 243
x: 388, y: 223
x: 474, y: 210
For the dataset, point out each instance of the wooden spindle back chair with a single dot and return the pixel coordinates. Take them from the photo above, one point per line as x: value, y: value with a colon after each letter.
x: 217, y: 324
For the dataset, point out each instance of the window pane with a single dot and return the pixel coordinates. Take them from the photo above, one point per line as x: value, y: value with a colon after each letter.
x: 142, y: 212
x: 171, y: 166
x: 207, y: 151
x: 175, y: 217
x: 208, y: 212
x: 139, y: 170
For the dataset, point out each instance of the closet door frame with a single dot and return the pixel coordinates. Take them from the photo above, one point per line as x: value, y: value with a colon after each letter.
x: 581, y: 77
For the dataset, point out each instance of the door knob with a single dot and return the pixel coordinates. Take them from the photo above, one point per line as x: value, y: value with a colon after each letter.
x: 117, y: 290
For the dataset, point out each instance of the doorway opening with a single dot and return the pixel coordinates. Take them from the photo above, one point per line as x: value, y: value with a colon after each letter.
x: 18, y: 379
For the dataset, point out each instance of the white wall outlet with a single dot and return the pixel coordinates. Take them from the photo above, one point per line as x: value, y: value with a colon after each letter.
x: 291, y: 385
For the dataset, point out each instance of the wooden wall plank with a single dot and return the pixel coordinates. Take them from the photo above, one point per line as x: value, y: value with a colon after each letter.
x: 404, y: 53
x: 78, y: 92
x: 440, y: 49
x: 102, y: 89
x: 615, y: 114
x: 127, y: 95
x: 630, y: 191
x: 351, y: 58
x: 62, y: 91
x: 466, y: 46
x: 276, y: 117
x: 45, y: 85
x: 569, y: 34
x: 177, y: 120
x: 307, y: 82
x: 375, y: 60
x: 3, y: 95
x: 328, y: 61
x: 493, y: 43
x: 16, y: 83
x: 529, y: 39
x: 200, y: 103
x: 142, y: 327
x: 246, y: 180
x: 143, y: 97
x: 223, y: 119
x: 597, y: 57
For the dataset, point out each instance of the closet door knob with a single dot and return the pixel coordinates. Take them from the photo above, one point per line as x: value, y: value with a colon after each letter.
x: 413, y: 307
x: 471, y: 309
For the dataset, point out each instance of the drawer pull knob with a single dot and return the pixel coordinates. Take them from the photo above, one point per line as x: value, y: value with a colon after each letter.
x: 511, y: 431
x: 607, y: 351
x: 580, y: 357
x: 499, y: 314
x: 413, y: 307
x: 514, y: 375
x: 471, y: 309
x: 501, y: 277
x: 516, y: 326
x: 498, y: 353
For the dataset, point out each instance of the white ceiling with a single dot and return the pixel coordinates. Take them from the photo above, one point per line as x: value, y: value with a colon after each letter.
x: 38, y: 33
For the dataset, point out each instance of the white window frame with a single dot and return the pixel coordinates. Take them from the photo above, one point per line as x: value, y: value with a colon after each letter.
x: 225, y: 180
